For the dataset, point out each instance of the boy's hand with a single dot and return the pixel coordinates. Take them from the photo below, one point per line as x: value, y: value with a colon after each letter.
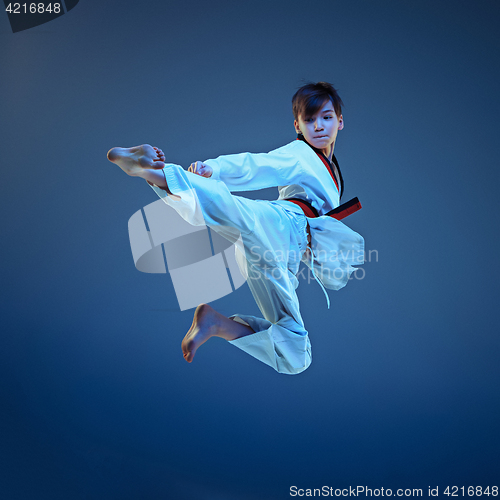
x: 201, y: 168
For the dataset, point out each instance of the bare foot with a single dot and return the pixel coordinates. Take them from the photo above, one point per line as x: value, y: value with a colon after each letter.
x: 134, y: 160
x: 207, y: 322
x: 204, y: 326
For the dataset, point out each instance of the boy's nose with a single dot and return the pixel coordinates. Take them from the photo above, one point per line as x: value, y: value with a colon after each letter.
x: 317, y: 126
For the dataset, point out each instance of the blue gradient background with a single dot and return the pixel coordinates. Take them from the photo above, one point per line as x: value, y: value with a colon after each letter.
x: 404, y: 390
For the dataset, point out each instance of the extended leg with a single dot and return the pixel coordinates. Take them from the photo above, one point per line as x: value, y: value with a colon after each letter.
x: 147, y: 162
x: 270, y: 236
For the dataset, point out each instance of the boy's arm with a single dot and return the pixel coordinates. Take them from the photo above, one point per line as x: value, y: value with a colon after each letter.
x: 251, y: 171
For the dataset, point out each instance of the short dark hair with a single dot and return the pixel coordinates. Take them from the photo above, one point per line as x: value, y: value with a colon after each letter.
x: 310, y: 97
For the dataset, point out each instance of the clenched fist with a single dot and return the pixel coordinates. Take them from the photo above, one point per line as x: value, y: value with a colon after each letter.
x: 201, y: 168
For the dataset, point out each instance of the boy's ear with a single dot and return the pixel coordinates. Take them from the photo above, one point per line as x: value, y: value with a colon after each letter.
x: 296, y: 125
x: 341, y: 122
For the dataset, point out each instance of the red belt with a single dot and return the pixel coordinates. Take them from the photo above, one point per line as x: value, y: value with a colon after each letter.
x: 338, y: 213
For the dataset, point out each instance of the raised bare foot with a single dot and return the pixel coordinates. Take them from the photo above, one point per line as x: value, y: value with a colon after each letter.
x: 205, y: 325
x: 134, y: 160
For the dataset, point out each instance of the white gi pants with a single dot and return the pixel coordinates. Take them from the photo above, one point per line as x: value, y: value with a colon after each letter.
x: 274, y: 240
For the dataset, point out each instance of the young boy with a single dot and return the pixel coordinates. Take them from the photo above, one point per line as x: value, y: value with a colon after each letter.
x: 276, y: 235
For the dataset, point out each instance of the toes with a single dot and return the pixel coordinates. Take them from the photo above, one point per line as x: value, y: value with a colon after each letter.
x: 188, y: 355
x: 158, y: 165
x: 188, y: 349
x: 159, y: 154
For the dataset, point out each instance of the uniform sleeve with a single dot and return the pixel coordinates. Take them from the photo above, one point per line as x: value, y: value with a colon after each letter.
x: 251, y: 171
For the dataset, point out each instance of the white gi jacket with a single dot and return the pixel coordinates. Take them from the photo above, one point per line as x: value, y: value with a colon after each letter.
x: 298, y: 172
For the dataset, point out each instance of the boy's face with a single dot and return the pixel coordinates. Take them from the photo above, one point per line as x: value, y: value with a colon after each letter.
x: 320, y: 130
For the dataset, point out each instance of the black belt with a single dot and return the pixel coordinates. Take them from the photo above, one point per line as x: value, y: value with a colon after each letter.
x: 347, y: 208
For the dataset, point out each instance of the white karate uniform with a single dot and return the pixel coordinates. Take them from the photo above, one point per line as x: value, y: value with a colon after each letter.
x: 274, y: 238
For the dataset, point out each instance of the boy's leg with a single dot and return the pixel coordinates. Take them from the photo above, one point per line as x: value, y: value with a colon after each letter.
x: 147, y: 162
x: 189, y: 194
x: 281, y: 340
x: 204, y: 201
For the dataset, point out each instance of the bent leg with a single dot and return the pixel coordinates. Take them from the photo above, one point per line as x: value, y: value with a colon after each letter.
x: 281, y: 340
